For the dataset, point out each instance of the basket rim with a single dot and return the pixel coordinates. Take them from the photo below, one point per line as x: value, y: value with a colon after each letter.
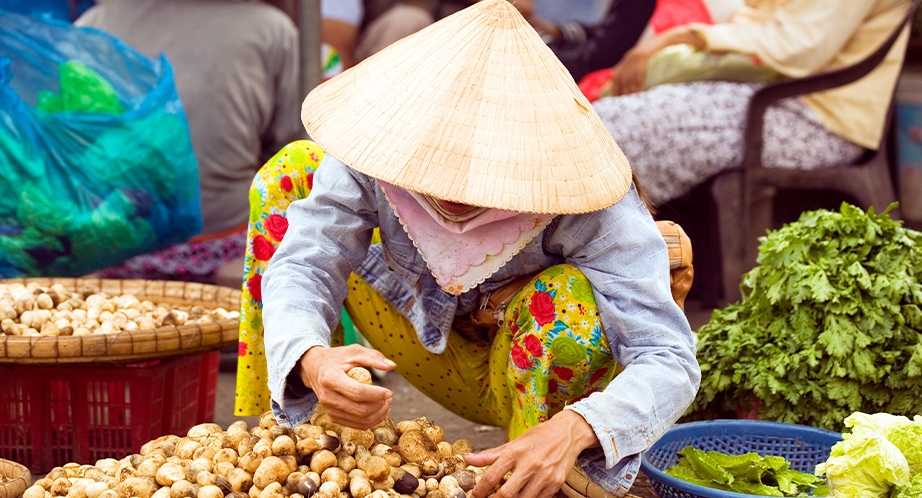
x: 707, y: 427
x: 17, y: 485
x: 129, y: 346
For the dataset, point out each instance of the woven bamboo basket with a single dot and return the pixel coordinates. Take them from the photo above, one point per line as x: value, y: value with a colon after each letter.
x: 130, y: 346
x: 14, y: 479
x: 578, y: 485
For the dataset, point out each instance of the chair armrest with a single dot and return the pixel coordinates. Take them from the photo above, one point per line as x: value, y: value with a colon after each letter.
x: 792, y: 87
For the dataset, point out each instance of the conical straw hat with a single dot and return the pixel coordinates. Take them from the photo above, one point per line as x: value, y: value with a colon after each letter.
x: 474, y: 109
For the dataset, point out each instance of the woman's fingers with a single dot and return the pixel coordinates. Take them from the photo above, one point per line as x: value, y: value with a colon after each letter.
x: 350, y: 419
x: 494, y: 474
x: 360, y: 356
x: 347, y: 401
x: 485, y: 457
x: 339, y: 392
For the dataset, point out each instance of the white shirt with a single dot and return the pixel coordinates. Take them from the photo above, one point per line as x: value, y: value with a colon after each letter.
x: 347, y: 11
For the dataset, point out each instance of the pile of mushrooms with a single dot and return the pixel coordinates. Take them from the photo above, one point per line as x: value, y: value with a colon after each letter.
x: 34, y: 310
x: 317, y: 459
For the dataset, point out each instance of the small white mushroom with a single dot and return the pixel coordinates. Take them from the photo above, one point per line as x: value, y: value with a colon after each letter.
x: 95, y: 489
x: 322, y: 460
x: 26, y: 318
x: 169, y: 473
x: 210, y: 491
x: 272, y: 469
x: 34, y: 491
x: 44, y: 302
x: 7, y: 310
x: 360, y: 486
x: 51, y: 330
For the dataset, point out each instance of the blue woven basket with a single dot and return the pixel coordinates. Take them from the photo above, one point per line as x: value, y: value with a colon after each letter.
x: 804, y: 447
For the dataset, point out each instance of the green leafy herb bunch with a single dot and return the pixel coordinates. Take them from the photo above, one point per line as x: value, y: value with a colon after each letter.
x: 830, y: 323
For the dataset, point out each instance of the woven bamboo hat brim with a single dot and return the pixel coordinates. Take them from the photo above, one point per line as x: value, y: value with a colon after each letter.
x: 473, y: 109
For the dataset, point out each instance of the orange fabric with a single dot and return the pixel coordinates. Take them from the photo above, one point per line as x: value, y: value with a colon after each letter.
x: 672, y: 13
x: 219, y: 235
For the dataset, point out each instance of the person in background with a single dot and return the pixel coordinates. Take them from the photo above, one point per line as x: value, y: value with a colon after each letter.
x: 390, y: 20
x: 679, y: 135
x: 521, y: 281
x: 584, y: 48
x: 402, y: 18
x: 236, y: 70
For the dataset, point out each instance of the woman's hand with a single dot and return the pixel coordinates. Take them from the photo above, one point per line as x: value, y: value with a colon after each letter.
x: 346, y: 401
x: 539, y: 460
x: 628, y: 75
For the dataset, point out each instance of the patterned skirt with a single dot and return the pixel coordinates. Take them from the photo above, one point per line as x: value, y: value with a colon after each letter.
x: 678, y: 136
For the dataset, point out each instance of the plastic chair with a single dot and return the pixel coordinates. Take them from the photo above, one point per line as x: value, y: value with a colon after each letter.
x: 743, y: 198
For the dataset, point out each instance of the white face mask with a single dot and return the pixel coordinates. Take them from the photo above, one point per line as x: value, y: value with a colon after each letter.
x: 462, y: 254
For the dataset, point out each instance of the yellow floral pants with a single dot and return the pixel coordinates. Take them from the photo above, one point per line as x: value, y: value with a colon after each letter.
x: 550, y: 351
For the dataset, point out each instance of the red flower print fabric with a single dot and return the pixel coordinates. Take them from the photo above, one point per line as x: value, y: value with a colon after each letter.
x: 277, y: 225
x: 262, y: 248
x: 558, y: 351
x: 542, y: 308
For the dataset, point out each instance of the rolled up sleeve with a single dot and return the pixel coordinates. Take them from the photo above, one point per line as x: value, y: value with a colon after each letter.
x: 622, y: 253
x: 305, y: 283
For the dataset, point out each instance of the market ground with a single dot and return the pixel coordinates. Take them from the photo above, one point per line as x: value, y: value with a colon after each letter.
x: 408, y: 402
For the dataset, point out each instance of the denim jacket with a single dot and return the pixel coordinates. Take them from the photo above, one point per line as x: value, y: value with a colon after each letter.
x: 619, y: 249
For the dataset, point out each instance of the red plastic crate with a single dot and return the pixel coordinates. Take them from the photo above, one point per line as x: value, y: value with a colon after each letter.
x: 52, y: 415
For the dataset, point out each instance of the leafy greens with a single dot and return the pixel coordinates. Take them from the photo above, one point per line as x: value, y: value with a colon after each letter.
x: 829, y: 324
x: 749, y: 473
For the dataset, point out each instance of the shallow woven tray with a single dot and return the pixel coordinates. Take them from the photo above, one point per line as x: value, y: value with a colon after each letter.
x: 643, y: 488
x: 19, y: 479
x: 130, y: 346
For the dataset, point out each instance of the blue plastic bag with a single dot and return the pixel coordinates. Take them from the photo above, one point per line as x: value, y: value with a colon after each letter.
x: 62, y: 10
x: 84, y: 186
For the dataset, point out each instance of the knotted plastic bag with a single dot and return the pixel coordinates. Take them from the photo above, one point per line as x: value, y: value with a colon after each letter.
x: 96, y: 160
x: 684, y: 63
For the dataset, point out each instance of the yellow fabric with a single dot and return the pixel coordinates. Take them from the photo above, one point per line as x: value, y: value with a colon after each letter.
x: 285, y: 178
x: 550, y: 351
x: 799, y: 38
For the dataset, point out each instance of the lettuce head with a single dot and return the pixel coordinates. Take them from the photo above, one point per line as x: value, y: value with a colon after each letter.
x: 865, y: 464
x: 911, y: 490
x: 908, y: 438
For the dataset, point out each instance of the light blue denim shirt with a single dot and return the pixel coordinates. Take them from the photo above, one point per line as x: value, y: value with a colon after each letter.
x: 619, y: 249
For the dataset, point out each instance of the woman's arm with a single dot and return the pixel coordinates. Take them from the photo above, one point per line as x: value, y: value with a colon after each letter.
x: 606, y: 43
x: 798, y: 40
x: 621, y: 251
x: 628, y: 75
x: 305, y: 283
